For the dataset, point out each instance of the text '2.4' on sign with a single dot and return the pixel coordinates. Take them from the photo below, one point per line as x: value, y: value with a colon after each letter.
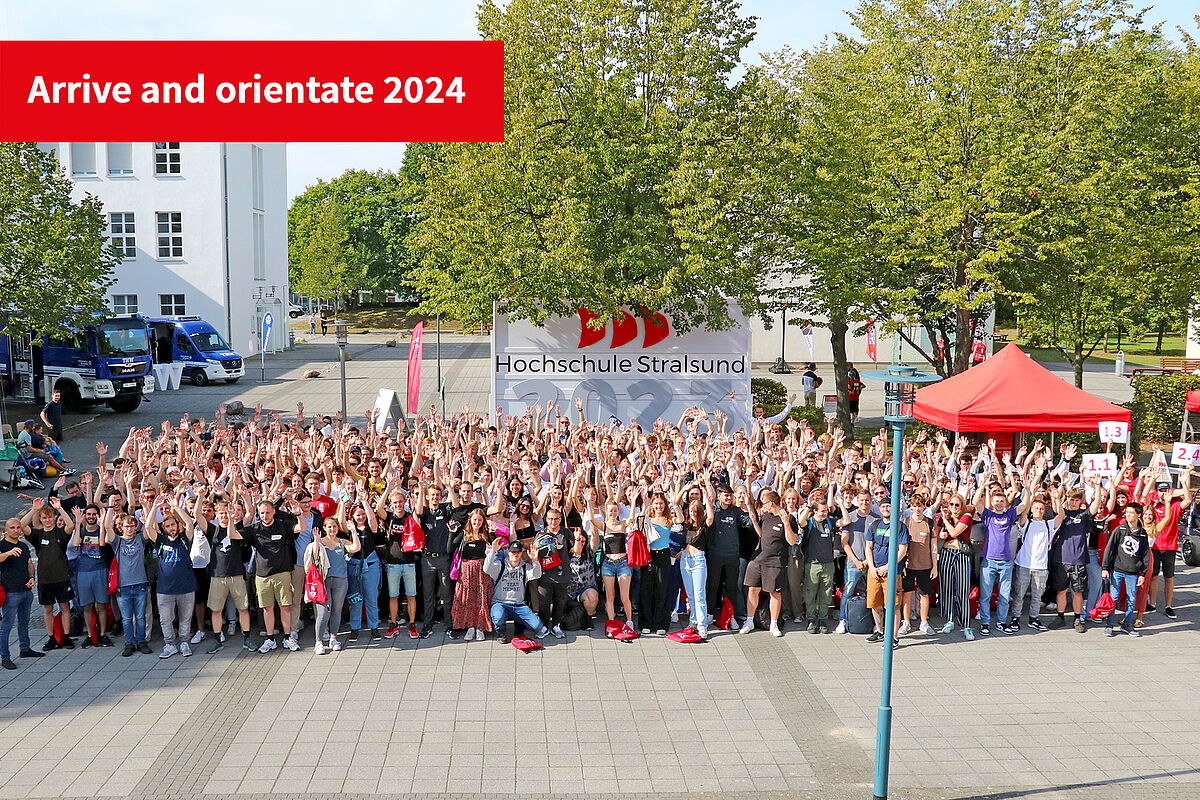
x: 1185, y: 453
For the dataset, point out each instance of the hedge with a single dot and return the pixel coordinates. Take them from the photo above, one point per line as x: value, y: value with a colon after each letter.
x: 1158, y: 406
x: 773, y: 395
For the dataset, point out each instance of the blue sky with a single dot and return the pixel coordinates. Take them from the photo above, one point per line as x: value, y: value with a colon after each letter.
x: 798, y: 23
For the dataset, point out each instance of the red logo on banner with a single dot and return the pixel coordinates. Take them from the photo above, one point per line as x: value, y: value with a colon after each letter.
x: 252, y: 91
x: 625, y: 329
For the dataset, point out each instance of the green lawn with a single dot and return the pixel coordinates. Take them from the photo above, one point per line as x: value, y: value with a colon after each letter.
x: 1136, y: 351
x: 383, y: 319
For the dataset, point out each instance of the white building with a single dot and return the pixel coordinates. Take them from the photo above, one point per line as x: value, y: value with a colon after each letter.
x: 202, y: 226
x: 1192, y: 347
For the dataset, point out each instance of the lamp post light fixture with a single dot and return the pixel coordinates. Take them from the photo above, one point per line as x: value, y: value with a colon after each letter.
x: 343, y: 338
x: 900, y: 383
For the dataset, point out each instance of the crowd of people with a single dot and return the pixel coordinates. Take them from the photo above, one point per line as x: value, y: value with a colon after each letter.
x: 554, y: 522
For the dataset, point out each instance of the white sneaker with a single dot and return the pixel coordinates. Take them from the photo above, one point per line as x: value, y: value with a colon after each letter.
x: 661, y: 632
x: 556, y: 630
x: 798, y: 620
x: 969, y: 634
x: 185, y: 649
x: 905, y: 627
x: 775, y: 629
x: 197, y: 637
x: 231, y: 628
x: 702, y: 630
x: 645, y: 631
x: 168, y: 651
x: 949, y: 626
x: 841, y: 628
x: 268, y: 645
x: 319, y: 648
x: 335, y: 644
x: 674, y: 616
x: 926, y: 628
x: 747, y: 627
x: 543, y: 632
x: 470, y: 635
x: 291, y: 644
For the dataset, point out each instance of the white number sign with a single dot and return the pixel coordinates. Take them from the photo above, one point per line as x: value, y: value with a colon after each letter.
x: 1100, y: 464
x: 1113, y: 431
x: 1185, y: 453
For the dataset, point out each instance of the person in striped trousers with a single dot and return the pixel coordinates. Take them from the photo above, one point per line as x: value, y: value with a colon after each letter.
x: 954, y: 565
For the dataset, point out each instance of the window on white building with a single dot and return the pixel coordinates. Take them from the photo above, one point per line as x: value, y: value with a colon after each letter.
x: 83, y: 158
x: 120, y: 158
x: 120, y: 229
x: 260, y: 247
x: 166, y: 158
x: 124, y: 304
x: 171, y: 304
x: 170, y: 234
x: 256, y: 170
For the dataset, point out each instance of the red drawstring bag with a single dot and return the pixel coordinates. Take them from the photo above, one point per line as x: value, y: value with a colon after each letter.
x: 637, y: 550
x: 114, y: 579
x: 1104, y: 606
x: 525, y: 645
x: 685, y: 636
x: 725, y: 618
x: 314, y: 587
x: 3, y: 596
x: 995, y: 597
x: 413, y: 538
x: 551, y: 561
x: 626, y: 634
x: 974, y: 602
x: 837, y: 595
x: 615, y: 629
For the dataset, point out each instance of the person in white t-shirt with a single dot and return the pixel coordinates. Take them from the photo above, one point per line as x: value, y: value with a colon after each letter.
x: 1032, y: 563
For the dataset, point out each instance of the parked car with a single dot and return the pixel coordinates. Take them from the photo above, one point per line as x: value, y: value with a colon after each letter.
x: 295, y: 311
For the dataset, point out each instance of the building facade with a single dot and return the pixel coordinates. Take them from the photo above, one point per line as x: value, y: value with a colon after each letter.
x: 202, y: 227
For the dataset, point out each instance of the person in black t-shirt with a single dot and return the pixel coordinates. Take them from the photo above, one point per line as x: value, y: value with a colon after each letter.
x: 272, y: 537
x: 440, y: 542
x: 16, y: 576
x: 399, y: 566
x: 50, y: 535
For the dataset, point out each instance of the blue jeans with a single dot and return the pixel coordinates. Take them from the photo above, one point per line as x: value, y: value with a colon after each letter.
x: 1094, y: 581
x: 16, y: 609
x: 1116, y: 579
x: 991, y: 571
x: 503, y: 612
x: 855, y: 579
x: 132, y: 602
x: 364, y: 588
x: 695, y: 580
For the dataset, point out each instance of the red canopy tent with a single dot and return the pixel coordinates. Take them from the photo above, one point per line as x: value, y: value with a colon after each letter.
x: 1012, y: 393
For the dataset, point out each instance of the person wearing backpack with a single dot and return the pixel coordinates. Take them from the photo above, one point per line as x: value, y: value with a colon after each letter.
x: 510, y: 575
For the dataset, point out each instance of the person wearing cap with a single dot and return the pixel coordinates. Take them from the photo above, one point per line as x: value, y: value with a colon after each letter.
x: 723, y: 556
x: 1168, y: 510
x: 510, y: 574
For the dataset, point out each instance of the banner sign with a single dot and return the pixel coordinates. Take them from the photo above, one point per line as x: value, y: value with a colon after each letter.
x: 632, y: 367
x: 872, y: 341
x: 241, y: 91
x: 414, y: 368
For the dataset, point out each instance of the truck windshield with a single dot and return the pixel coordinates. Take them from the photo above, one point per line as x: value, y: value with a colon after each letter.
x: 209, y: 342
x: 122, y: 337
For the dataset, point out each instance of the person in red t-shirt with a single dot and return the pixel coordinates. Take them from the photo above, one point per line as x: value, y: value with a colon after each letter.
x: 323, y: 504
x: 1168, y: 509
x: 854, y: 387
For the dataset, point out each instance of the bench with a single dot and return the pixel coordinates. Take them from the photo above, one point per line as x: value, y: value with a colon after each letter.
x: 1173, y: 365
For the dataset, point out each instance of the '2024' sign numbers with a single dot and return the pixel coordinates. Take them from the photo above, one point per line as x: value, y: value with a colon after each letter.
x: 424, y: 90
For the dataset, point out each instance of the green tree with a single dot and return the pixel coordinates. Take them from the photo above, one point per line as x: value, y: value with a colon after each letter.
x: 56, y: 258
x: 325, y: 264
x: 611, y: 108
x: 377, y: 207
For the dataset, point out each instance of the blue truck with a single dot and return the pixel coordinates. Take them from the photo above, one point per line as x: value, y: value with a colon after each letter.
x: 191, y: 341
x: 107, y: 362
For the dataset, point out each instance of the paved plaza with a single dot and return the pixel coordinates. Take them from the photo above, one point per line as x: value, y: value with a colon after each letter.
x: 1048, y: 715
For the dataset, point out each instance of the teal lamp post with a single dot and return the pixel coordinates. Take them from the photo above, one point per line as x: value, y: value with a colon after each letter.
x: 900, y: 383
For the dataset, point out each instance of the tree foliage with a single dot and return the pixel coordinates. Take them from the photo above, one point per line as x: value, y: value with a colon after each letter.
x: 56, y: 258
x: 377, y: 208
x: 613, y: 109
x: 324, y: 262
